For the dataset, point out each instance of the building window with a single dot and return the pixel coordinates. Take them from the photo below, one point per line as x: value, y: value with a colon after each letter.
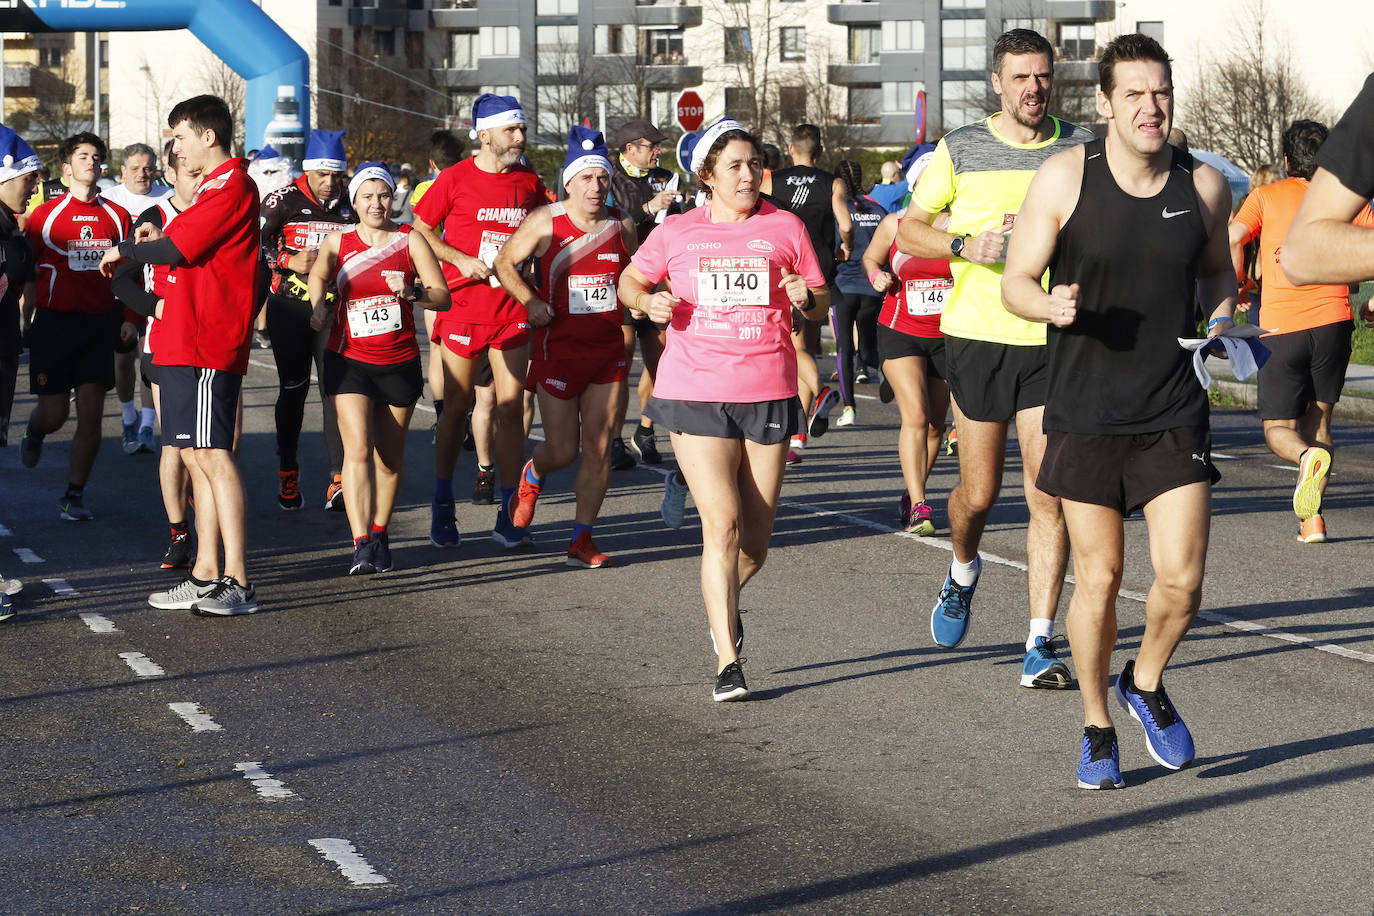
x: 619, y: 100
x: 556, y: 8
x: 499, y: 90
x: 963, y: 44
x: 865, y: 44
x: 384, y: 42
x: 460, y: 106
x: 1077, y: 40
x: 738, y: 47
x: 739, y: 103
x: 51, y: 53
x: 904, y: 35
x: 613, y: 39
x: 1154, y: 29
x: 1035, y: 25
x: 900, y: 97
x: 864, y: 104
x: 661, y: 110
x: 556, y: 46
x: 663, y: 47
x: 963, y: 4
x: 792, y: 40
x: 963, y: 102
x: 792, y: 104
x: 498, y: 40
x: 462, y: 50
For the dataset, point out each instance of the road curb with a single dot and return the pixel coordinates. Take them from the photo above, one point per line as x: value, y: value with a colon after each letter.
x: 1352, y: 407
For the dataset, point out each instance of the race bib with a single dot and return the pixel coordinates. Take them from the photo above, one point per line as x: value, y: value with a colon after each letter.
x: 732, y: 297
x: 86, y: 254
x: 373, y: 315
x: 589, y: 295
x: 489, y: 248
x: 927, y: 296
x: 308, y: 235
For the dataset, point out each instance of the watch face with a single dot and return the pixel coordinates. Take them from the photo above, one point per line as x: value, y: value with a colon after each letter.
x: 957, y: 246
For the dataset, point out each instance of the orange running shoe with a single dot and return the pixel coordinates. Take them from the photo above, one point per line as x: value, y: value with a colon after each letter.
x: 526, y: 495
x: 1307, y: 496
x: 1312, y: 530
x: 333, y: 495
x: 582, y: 552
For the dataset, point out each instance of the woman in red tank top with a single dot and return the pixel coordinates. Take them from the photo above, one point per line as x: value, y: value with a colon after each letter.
x: 372, y: 361
x: 913, y: 353
x: 577, y: 355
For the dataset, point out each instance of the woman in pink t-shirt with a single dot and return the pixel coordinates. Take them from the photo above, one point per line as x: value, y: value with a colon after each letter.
x: 727, y: 380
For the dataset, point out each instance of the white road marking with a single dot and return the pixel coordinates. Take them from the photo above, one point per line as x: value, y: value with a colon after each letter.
x: 1285, y: 467
x: 142, y: 665
x: 195, y: 717
x: 27, y: 555
x: 98, y: 623
x: 5, y: 532
x: 343, y: 854
x: 61, y: 587
x: 1224, y: 457
x: 268, y: 787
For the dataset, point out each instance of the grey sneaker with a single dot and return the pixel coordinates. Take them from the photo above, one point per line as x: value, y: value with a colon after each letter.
x: 673, y: 509
x: 147, y: 441
x: 71, y: 508
x: 183, y: 596
x: 227, y: 599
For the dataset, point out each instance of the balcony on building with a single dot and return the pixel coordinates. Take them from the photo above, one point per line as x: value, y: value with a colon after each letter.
x: 855, y: 11
x: 381, y: 14
x: 853, y: 74
x: 667, y: 12
x: 1098, y: 10
x: 454, y: 14
x: 493, y: 71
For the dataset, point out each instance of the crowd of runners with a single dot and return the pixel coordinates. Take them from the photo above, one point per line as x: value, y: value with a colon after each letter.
x: 1065, y: 330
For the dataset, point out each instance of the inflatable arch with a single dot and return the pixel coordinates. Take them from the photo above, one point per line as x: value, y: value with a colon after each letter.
x: 237, y: 31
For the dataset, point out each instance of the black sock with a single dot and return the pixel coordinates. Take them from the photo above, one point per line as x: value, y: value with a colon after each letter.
x: 646, y: 429
x: 73, y: 491
x: 179, y: 528
x: 438, y: 408
x: 489, y: 470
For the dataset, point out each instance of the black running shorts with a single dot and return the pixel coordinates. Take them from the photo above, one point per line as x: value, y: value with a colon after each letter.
x: 764, y: 422
x: 397, y: 384
x: 70, y: 349
x: 199, y: 406
x: 993, y: 382
x: 1125, y: 472
x: 896, y: 345
x: 1303, y: 367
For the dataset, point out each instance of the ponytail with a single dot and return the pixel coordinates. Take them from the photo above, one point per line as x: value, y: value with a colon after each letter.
x: 852, y: 174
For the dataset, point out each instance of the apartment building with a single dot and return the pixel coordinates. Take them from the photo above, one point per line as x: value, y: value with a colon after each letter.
x: 52, y: 87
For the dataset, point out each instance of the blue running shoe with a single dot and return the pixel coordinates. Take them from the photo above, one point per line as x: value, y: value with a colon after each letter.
x: 949, y: 618
x: 1100, y: 766
x: 443, y: 526
x: 1167, y: 738
x: 673, y: 509
x: 1042, y: 667
x: 507, y: 535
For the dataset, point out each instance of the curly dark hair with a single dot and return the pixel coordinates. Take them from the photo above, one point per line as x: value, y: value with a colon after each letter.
x: 1301, y: 141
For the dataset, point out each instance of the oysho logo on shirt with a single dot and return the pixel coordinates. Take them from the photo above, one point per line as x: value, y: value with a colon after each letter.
x: 702, y: 246
x: 762, y: 245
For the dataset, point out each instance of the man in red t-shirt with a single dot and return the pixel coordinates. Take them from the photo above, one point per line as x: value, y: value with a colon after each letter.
x: 77, y: 321
x: 478, y: 203
x: 203, y: 344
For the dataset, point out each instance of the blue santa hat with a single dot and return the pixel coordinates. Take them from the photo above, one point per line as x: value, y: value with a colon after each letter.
x: 325, y: 152
x: 16, y: 157
x: 495, y: 111
x: 266, y: 154
x: 586, y: 150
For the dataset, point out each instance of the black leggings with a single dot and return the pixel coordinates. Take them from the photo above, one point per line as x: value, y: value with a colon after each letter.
x: 847, y: 310
x: 295, y: 346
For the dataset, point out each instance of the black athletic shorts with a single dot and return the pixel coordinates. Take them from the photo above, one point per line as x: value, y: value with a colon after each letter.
x: 10, y: 338
x: 1125, y: 472
x: 68, y: 349
x: 145, y: 364
x: 896, y: 345
x: 644, y: 327
x: 397, y: 384
x: 993, y: 382
x: 1303, y: 367
x: 764, y: 422
x: 199, y: 406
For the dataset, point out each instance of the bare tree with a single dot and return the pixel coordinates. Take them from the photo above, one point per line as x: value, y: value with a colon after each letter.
x: 1246, y: 95
x: 750, y: 46
x: 60, y: 110
x: 218, y: 78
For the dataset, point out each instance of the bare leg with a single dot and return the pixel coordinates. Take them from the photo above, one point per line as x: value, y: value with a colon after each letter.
x: 1098, y: 548
x: 389, y: 425
x: 1047, y: 541
x: 90, y: 405
x: 354, y: 412
x: 207, y: 520
x: 227, y: 487
x: 599, y: 405
x: 1179, y: 522
x: 508, y: 369
x: 982, y: 449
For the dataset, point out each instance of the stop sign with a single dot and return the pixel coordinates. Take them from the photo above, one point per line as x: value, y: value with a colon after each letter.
x: 691, y: 110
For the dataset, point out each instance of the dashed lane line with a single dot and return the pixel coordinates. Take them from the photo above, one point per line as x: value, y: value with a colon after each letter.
x: 142, y: 665
x: 345, y: 855
x: 98, y: 623
x: 195, y: 717
x: 27, y: 555
x: 266, y: 785
x: 60, y: 587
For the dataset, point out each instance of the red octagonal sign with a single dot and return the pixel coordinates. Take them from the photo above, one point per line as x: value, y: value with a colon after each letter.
x: 691, y: 110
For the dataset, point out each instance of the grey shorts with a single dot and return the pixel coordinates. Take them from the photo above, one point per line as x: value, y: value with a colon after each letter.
x: 764, y: 422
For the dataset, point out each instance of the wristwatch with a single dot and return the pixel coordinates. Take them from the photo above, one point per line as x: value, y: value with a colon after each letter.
x: 956, y: 246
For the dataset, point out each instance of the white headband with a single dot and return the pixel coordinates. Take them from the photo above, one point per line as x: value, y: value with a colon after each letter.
x: 500, y: 119
x: 325, y: 165
x: 590, y: 161
x: 367, y: 174
x: 708, y: 139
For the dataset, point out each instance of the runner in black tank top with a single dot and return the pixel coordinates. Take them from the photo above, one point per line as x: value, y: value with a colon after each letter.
x: 1131, y: 230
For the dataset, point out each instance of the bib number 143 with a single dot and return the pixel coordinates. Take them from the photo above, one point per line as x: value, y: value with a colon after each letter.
x: 373, y: 315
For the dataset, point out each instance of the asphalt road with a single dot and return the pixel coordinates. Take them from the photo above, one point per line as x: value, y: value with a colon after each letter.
x: 482, y: 731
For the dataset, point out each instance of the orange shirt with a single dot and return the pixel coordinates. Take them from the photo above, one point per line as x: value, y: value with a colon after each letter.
x: 1268, y: 212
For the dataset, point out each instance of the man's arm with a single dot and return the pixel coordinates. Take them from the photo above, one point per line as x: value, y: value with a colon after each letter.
x: 1322, y: 246
x: 1049, y: 202
x: 469, y: 266
x: 531, y: 239
x: 1216, y: 275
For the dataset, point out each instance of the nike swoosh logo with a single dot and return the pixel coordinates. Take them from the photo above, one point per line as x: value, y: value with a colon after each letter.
x: 1094, y: 155
x: 1168, y: 214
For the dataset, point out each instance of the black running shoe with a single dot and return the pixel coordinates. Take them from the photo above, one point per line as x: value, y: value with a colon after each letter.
x: 364, y: 559
x: 730, y: 684
x: 484, y: 488
x: 885, y: 392
x: 381, y: 552
x: 179, y: 553
x: 621, y: 459
x: 643, y: 442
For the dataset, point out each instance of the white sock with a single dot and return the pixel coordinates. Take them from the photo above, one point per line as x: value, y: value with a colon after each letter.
x: 130, y: 412
x: 1039, y: 626
x: 966, y: 574
x: 149, y: 417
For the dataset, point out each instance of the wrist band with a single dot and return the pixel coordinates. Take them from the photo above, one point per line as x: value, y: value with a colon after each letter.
x: 876, y: 272
x: 810, y: 301
x: 1216, y: 321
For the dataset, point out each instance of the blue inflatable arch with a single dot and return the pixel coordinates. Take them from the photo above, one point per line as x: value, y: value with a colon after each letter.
x: 238, y: 31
